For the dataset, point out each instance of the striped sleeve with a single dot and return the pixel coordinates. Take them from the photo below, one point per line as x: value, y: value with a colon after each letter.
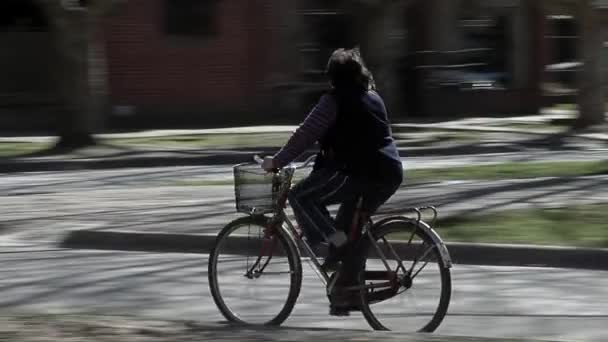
x: 316, y: 124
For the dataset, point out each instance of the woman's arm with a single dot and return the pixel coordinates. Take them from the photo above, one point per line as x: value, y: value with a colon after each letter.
x: 316, y: 124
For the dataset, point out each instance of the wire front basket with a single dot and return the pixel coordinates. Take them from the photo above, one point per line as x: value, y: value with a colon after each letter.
x: 257, y: 191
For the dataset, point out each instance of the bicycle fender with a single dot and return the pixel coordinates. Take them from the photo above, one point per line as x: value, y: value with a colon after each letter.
x: 443, y: 250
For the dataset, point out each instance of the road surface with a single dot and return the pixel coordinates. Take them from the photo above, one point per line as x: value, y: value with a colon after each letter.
x: 38, y: 209
x: 553, y: 304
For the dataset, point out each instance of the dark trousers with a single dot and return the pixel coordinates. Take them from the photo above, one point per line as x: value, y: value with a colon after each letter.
x: 326, y: 186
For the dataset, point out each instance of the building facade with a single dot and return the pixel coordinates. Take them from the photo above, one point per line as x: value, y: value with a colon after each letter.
x: 169, y: 63
x: 192, y: 63
x: 173, y: 61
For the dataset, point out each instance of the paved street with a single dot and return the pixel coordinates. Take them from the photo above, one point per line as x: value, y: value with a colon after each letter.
x: 46, y: 205
x: 555, y: 304
x: 40, y: 208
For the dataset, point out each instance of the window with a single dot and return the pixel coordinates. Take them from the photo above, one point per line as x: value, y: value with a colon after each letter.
x: 484, y: 33
x: 191, y: 17
x: 21, y: 16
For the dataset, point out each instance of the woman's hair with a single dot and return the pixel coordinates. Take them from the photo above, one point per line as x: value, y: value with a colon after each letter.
x: 346, y: 71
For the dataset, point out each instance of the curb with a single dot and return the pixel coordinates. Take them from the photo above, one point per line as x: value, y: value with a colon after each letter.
x: 461, y: 253
x: 100, y: 164
x: 236, y: 157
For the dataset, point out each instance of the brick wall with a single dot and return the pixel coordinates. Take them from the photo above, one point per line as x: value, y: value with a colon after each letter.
x: 149, y: 69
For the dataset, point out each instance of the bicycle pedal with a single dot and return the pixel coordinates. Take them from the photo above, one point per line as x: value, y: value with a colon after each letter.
x: 339, y: 311
x: 381, y: 295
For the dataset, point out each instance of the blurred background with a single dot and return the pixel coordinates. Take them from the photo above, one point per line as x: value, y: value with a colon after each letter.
x: 126, y: 116
x: 138, y: 64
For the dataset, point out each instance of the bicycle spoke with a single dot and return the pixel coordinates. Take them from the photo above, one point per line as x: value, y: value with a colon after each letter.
x: 416, y: 260
x: 379, y: 251
x: 420, y: 269
x: 248, y: 243
x: 395, y: 255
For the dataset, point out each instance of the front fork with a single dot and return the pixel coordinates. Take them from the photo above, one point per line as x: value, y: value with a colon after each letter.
x: 269, y: 242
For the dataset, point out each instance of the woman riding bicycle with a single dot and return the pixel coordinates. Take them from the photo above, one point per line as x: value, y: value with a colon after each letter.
x: 357, y: 167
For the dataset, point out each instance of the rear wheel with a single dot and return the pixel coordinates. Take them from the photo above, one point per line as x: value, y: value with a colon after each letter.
x: 414, y: 295
x: 254, y: 277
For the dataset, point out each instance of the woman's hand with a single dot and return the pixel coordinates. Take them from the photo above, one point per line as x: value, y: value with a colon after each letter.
x: 269, y: 164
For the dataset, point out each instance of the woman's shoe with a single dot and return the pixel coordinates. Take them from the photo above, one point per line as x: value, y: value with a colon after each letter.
x: 342, y: 302
x: 334, y: 258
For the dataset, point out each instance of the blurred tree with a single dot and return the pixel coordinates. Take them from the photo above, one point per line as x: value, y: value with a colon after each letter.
x: 378, y: 29
x: 591, y: 97
x: 80, y: 67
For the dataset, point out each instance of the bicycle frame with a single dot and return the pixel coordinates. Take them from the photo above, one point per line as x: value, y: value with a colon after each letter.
x: 280, y: 219
x: 295, y: 235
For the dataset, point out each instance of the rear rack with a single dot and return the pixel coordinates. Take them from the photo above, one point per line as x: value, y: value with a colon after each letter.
x: 419, y: 210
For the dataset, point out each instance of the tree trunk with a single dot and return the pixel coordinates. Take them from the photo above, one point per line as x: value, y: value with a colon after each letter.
x: 590, y: 97
x: 444, y: 31
x: 80, y: 71
x: 380, y: 34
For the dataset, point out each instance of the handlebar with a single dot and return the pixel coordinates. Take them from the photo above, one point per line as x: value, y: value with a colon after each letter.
x: 307, y: 162
x: 304, y: 164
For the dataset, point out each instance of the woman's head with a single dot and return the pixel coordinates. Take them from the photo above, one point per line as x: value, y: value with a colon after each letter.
x: 346, y: 71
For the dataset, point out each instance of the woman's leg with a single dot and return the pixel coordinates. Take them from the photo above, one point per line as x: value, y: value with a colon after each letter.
x: 309, y: 199
x: 374, y: 195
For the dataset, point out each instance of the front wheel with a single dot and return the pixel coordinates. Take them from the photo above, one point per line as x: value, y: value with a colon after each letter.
x: 414, y: 295
x: 254, y: 277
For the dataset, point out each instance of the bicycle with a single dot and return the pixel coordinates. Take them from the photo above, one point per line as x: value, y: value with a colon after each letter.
x: 265, y: 289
